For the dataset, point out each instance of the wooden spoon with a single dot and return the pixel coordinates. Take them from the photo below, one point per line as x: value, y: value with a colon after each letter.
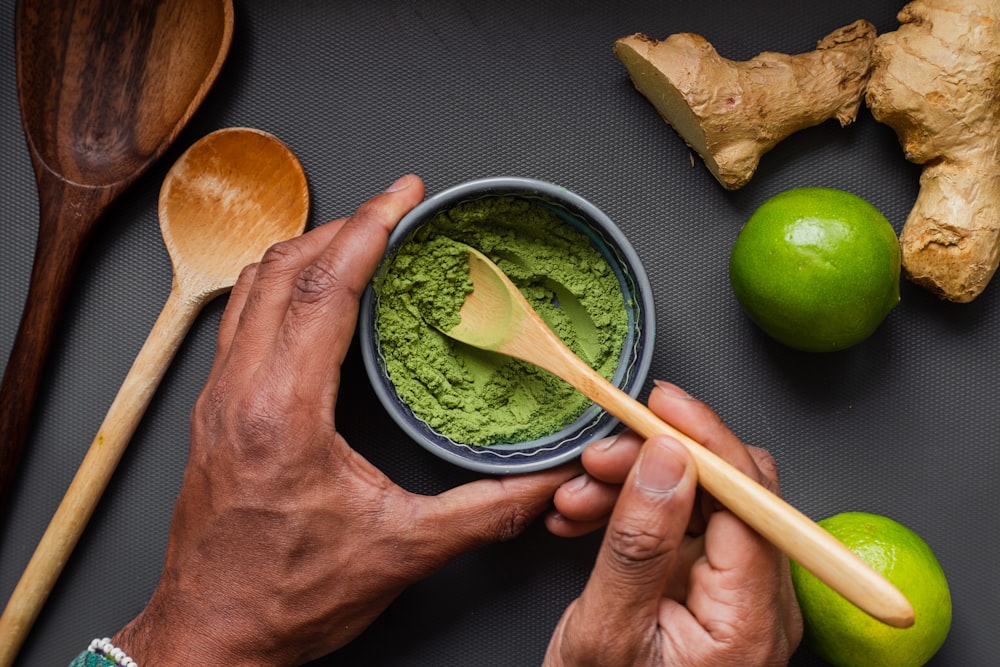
x: 105, y: 87
x: 233, y: 194
x: 495, y: 316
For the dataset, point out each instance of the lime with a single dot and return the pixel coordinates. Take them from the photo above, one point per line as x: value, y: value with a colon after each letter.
x: 816, y: 268
x: 845, y: 636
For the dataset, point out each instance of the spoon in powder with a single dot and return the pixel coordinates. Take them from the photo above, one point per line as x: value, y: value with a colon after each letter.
x: 496, y: 317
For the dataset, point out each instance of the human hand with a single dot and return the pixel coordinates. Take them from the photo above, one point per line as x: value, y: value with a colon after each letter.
x: 286, y: 543
x: 678, y: 579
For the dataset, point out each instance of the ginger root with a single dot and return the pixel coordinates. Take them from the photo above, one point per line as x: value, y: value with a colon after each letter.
x: 936, y: 82
x: 731, y: 113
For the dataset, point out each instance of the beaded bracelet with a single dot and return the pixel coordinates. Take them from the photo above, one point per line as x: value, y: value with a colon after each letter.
x: 102, y: 653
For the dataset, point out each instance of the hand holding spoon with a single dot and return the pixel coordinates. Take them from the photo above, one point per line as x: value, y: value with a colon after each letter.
x: 495, y: 316
x: 227, y: 199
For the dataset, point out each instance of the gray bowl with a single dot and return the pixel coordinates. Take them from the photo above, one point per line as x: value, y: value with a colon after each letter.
x: 567, y: 443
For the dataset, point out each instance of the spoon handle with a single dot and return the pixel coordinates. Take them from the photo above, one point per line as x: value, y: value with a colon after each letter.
x: 68, y: 215
x: 95, y: 472
x: 784, y: 526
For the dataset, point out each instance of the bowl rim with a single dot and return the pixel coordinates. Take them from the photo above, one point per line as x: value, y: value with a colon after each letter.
x: 595, y: 422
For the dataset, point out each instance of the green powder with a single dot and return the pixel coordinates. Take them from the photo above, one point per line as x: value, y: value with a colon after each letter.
x: 484, y: 398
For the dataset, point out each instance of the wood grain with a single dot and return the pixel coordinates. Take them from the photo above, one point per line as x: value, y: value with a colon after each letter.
x: 104, y: 87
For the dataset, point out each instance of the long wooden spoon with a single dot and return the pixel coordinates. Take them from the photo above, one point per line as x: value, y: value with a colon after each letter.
x: 105, y: 87
x: 230, y: 196
x: 495, y: 316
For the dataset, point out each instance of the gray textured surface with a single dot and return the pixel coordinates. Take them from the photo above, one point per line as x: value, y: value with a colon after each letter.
x: 906, y: 424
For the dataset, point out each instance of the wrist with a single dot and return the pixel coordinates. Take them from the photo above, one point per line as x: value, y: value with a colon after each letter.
x: 102, y: 653
x: 169, y: 636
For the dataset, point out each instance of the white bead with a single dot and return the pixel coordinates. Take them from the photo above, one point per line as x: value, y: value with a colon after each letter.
x: 111, y: 652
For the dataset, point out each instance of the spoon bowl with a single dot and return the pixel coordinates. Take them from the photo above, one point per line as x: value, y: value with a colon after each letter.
x: 104, y: 88
x: 232, y: 195
x: 225, y: 201
x: 128, y: 76
x: 496, y: 317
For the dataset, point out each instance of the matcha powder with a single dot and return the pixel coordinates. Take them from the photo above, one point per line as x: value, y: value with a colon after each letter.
x: 484, y: 398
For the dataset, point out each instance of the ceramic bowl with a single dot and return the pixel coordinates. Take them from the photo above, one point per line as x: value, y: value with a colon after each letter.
x: 633, y: 366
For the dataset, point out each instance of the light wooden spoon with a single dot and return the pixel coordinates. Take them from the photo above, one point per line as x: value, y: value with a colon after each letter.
x: 496, y: 317
x: 229, y: 197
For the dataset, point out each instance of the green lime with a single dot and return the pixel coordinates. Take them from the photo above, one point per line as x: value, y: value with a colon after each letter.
x: 816, y: 268
x: 845, y: 636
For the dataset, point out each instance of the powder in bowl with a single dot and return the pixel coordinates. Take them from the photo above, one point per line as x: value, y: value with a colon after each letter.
x: 483, y: 398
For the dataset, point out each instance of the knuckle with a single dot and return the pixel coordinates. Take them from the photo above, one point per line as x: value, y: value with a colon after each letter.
x: 257, y: 418
x: 206, y: 409
x: 629, y: 545
x: 768, y: 467
x: 247, y: 419
x: 511, y: 523
x: 315, y: 283
x: 750, y: 636
x: 281, y: 256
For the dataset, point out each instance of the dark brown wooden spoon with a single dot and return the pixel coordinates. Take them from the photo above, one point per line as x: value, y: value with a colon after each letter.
x: 105, y: 87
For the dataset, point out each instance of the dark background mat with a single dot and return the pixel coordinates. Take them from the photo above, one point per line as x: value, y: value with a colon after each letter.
x: 906, y: 424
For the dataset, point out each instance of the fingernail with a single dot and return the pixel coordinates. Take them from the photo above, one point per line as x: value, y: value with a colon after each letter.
x: 401, y: 184
x: 576, y: 484
x: 671, y: 389
x: 659, y: 468
x: 604, y: 444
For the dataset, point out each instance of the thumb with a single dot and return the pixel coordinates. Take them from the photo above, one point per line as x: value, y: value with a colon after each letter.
x: 643, y: 538
x: 486, y: 511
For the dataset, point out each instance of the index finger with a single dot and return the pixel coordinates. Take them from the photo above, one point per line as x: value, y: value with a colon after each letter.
x: 699, y: 422
x: 258, y: 301
x: 610, y: 459
x: 325, y: 297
